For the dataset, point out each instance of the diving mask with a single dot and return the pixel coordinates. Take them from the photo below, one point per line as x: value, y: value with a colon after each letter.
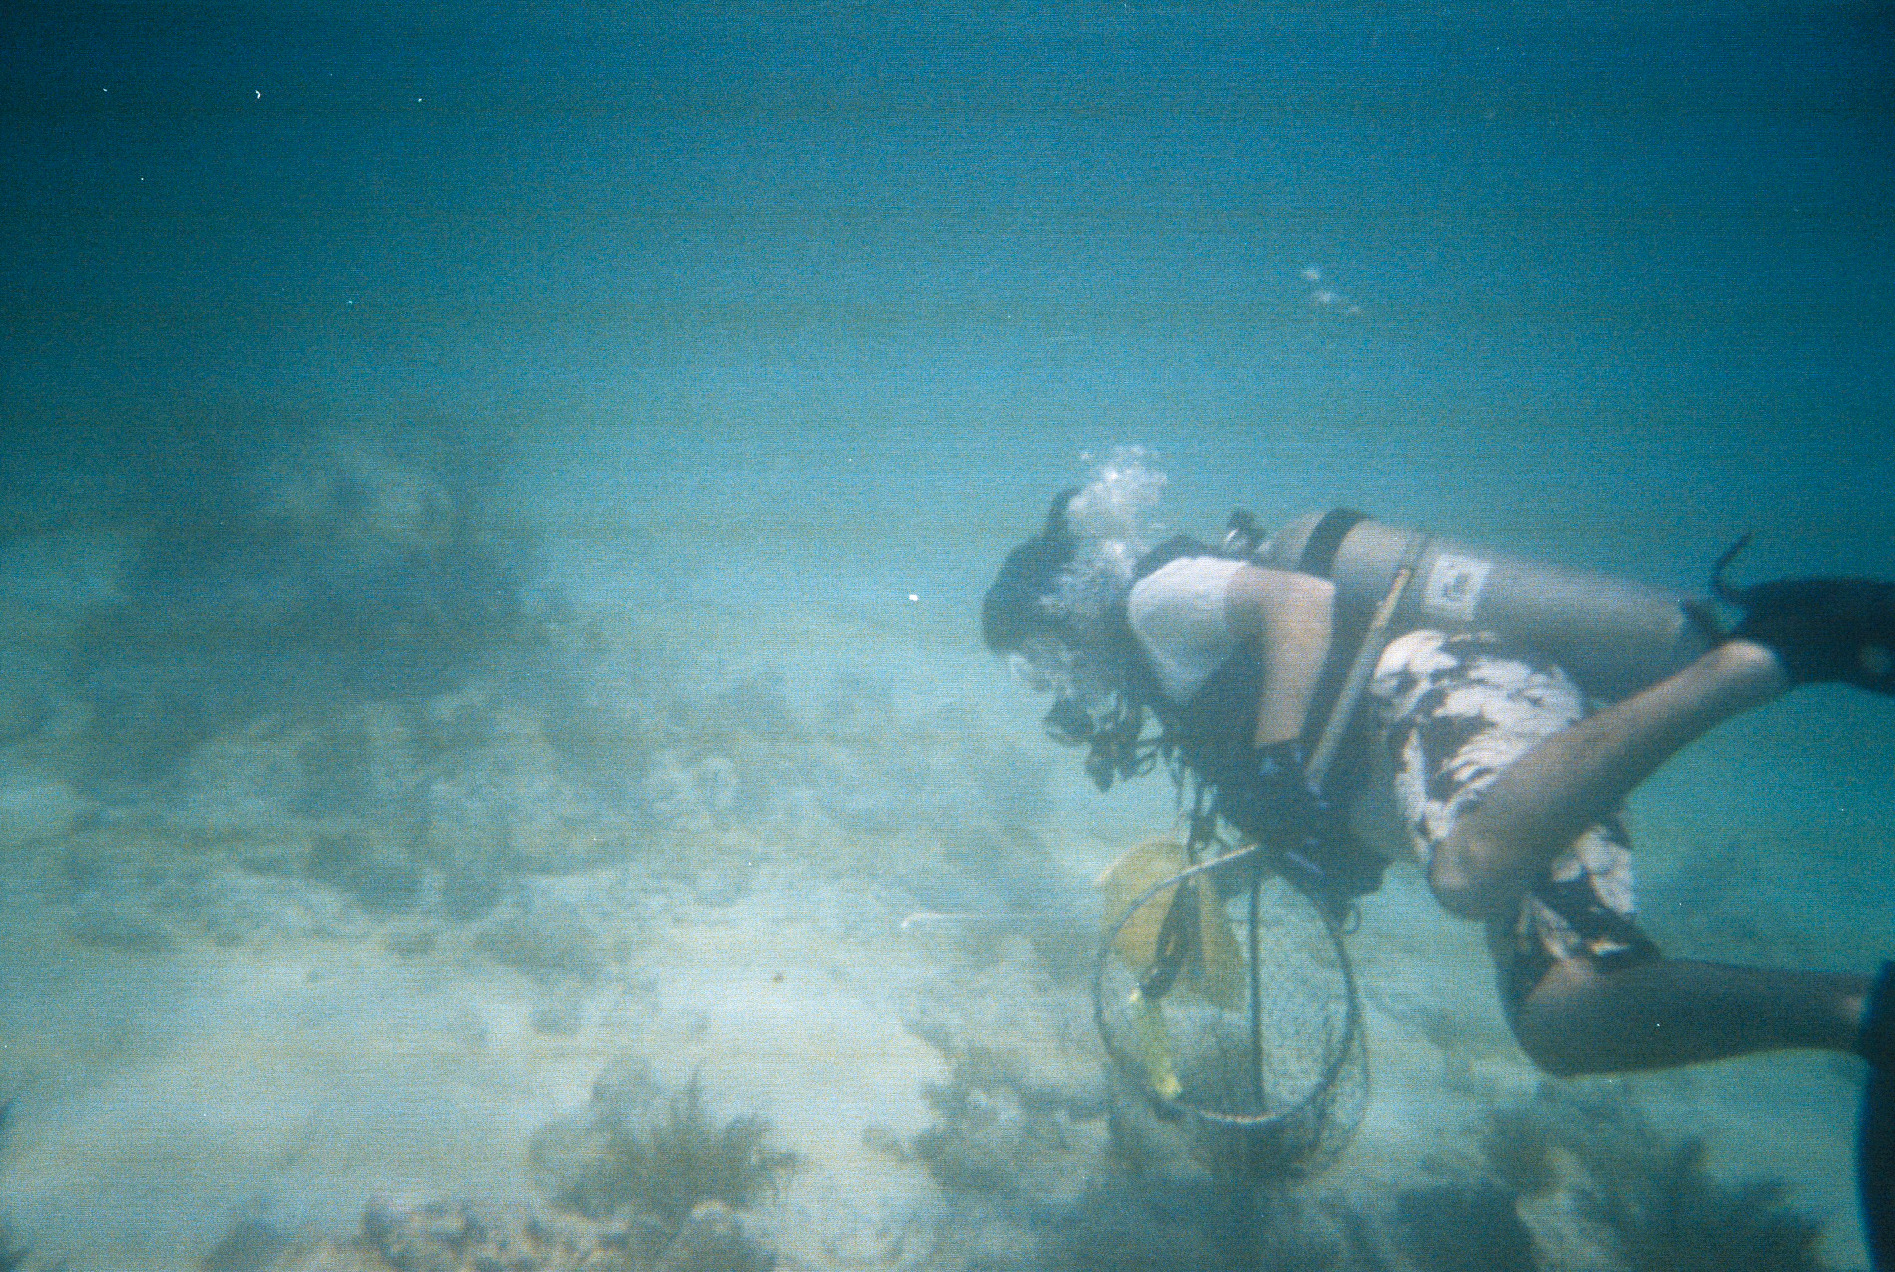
x: 1082, y: 702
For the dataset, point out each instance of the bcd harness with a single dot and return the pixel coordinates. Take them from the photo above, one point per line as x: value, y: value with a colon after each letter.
x: 1298, y: 817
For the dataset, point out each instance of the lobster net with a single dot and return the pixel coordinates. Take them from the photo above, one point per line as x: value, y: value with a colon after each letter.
x: 1226, y: 996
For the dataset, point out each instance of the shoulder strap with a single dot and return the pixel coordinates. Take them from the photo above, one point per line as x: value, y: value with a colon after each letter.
x: 1319, y: 550
x: 1177, y: 547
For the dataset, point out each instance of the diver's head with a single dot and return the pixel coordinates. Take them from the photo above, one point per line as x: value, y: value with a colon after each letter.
x: 1054, y: 608
x: 1068, y: 580
x: 1023, y: 602
x: 1046, y: 643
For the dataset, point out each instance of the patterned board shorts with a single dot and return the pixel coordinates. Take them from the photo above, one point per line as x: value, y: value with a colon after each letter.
x: 1454, y: 712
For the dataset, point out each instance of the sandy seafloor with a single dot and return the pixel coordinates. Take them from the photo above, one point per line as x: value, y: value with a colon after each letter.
x: 496, y: 506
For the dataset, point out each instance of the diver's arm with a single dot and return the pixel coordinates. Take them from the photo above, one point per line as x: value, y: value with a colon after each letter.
x: 1288, y: 616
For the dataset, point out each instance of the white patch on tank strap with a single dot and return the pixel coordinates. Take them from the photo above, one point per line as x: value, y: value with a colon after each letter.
x: 1454, y: 587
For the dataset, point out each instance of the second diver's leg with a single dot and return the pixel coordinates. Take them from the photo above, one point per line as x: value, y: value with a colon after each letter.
x: 1579, y: 776
x: 1660, y: 1012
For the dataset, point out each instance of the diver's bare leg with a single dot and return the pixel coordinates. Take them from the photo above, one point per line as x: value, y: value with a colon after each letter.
x: 1543, y: 800
x: 1663, y: 1012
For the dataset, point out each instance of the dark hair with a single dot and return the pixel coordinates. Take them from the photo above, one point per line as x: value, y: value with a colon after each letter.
x: 1015, y: 606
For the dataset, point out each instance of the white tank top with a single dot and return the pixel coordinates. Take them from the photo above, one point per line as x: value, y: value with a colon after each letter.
x: 1180, y: 613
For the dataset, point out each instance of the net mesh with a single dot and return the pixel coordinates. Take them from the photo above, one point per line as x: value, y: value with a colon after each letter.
x: 1263, y: 1054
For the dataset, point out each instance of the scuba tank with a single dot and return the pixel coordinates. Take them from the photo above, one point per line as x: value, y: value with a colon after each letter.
x: 1612, y: 636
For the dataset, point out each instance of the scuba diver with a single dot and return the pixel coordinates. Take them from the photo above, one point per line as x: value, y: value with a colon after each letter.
x: 1306, y: 680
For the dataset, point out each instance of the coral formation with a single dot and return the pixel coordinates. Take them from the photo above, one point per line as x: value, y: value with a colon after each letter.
x: 1653, y: 1198
x: 336, y: 659
x: 647, y: 1183
x: 998, y: 1132
x: 248, y: 1244
x: 1571, y: 1180
x: 1465, y: 1227
x: 465, y: 1237
x: 346, y: 572
x: 1675, y: 1216
x: 1057, y: 1174
x: 658, y: 1167
x: 549, y: 947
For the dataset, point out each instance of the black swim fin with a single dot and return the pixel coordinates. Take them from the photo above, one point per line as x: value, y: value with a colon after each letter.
x: 1821, y: 628
x: 1875, y: 1133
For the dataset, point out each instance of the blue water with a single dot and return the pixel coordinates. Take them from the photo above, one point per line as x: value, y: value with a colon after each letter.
x: 747, y: 339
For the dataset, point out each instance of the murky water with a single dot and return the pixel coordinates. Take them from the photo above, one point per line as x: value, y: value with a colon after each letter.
x: 497, y: 503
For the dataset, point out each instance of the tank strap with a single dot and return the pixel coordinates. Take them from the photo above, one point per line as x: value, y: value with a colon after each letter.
x: 1319, y: 550
x: 1321, y: 729
x: 1369, y: 646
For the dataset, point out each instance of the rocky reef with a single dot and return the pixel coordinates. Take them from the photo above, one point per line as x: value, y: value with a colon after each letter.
x: 645, y: 1181
x: 655, y: 1162
x: 466, y: 1237
x: 1593, y: 1180
x: 1572, y: 1178
x: 325, y: 740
